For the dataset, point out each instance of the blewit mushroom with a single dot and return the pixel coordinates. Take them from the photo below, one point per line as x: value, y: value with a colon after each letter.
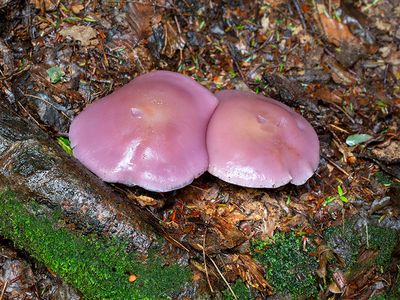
x: 255, y: 141
x: 150, y: 133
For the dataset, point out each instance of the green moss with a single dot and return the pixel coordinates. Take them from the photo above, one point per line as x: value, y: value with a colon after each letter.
x: 240, y: 289
x: 345, y: 242
x: 289, y: 269
x: 349, y: 242
x: 99, y: 268
x: 384, y: 241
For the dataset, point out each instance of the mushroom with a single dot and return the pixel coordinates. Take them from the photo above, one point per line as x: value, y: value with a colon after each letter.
x: 258, y: 142
x: 150, y: 133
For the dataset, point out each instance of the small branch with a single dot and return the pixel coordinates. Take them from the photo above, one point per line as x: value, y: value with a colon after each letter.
x: 205, y: 261
x: 3, y: 290
x: 224, y: 279
x: 301, y: 15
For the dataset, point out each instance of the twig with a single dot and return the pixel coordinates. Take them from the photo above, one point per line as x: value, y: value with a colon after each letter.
x: 344, y: 112
x: 339, y: 128
x: 338, y: 167
x: 3, y: 290
x: 205, y: 261
x: 49, y: 103
x: 239, y: 69
x: 174, y: 241
x: 25, y: 110
x: 385, y: 74
x: 299, y: 11
x: 165, y: 234
x: 198, y: 188
x: 330, y: 7
x: 223, y: 278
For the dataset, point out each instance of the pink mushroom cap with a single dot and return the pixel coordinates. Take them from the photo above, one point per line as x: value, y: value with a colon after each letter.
x: 150, y: 133
x: 258, y: 142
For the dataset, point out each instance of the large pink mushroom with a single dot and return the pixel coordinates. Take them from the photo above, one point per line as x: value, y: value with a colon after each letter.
x: 255, y: 141
x: 150, y: 133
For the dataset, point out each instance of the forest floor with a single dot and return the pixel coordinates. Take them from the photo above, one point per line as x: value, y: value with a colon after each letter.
x: 336, y: 62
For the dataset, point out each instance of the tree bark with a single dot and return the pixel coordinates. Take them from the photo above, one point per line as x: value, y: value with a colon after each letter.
x: 33, y: 164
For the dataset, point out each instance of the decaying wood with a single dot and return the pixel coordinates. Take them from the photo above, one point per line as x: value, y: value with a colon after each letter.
x: 31, y: 163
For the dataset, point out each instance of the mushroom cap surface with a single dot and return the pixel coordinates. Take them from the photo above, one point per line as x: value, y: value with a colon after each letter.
x: 255, y: 141
x: 150, y: 133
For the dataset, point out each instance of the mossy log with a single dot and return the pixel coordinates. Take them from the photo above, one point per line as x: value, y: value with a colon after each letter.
x: 33, y: 164
x: 99, y: 267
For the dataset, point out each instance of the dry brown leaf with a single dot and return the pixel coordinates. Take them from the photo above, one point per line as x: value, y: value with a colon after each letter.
x: 173, y: 40
x: 290, y: 222
x: 77, y: 8
x: 339, y: 74
x: 394, y: 58
x: 333, y: 288
x: 324, y: 253
x: 141, y: 18
x: 44, y: 5
x: 274, y: 3
x: 85, y: 34
x: 384, y: 26
x: 326, y: 95
x: 144, y: 200
x: 229, y: 235
x: 249, y: 271
x: 336, y: 32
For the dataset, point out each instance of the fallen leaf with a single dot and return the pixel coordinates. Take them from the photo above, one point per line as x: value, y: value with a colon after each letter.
x: 324, y: 254
x: 336, y: 32
x: 173, y: 40
x: 84, y: 34
x: 250, y: 272
x: 339, y: 74
x: 77, y: 8
x: 356, y: 139
x: 326, y: 95
x: 44, y: 5
x: 333, y: 288
x: 141, y: 18
x: 384, y: 26
x: 55, y: 74
x: 144, y: 200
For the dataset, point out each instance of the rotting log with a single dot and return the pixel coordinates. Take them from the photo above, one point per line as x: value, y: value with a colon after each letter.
x: 31, y: 163
x: 99, y: 267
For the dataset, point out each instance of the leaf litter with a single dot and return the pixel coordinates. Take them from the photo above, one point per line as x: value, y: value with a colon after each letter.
x: 335, y: 62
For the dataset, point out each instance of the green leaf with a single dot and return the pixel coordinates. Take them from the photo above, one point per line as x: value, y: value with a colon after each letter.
x: 71, y: 19
x: 65, y: 144
x: 340, y: 190
x: 358, y: 138
x: 329, y: 200
x: 342, y: 197
x: 89, y: 19
x: 55, y: 74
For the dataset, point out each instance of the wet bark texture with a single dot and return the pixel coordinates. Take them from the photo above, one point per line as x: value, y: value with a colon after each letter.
x: 33, y: 164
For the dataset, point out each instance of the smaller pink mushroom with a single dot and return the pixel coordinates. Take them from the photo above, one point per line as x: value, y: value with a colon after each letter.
x: 255, y: 141
x: 150, y: 133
